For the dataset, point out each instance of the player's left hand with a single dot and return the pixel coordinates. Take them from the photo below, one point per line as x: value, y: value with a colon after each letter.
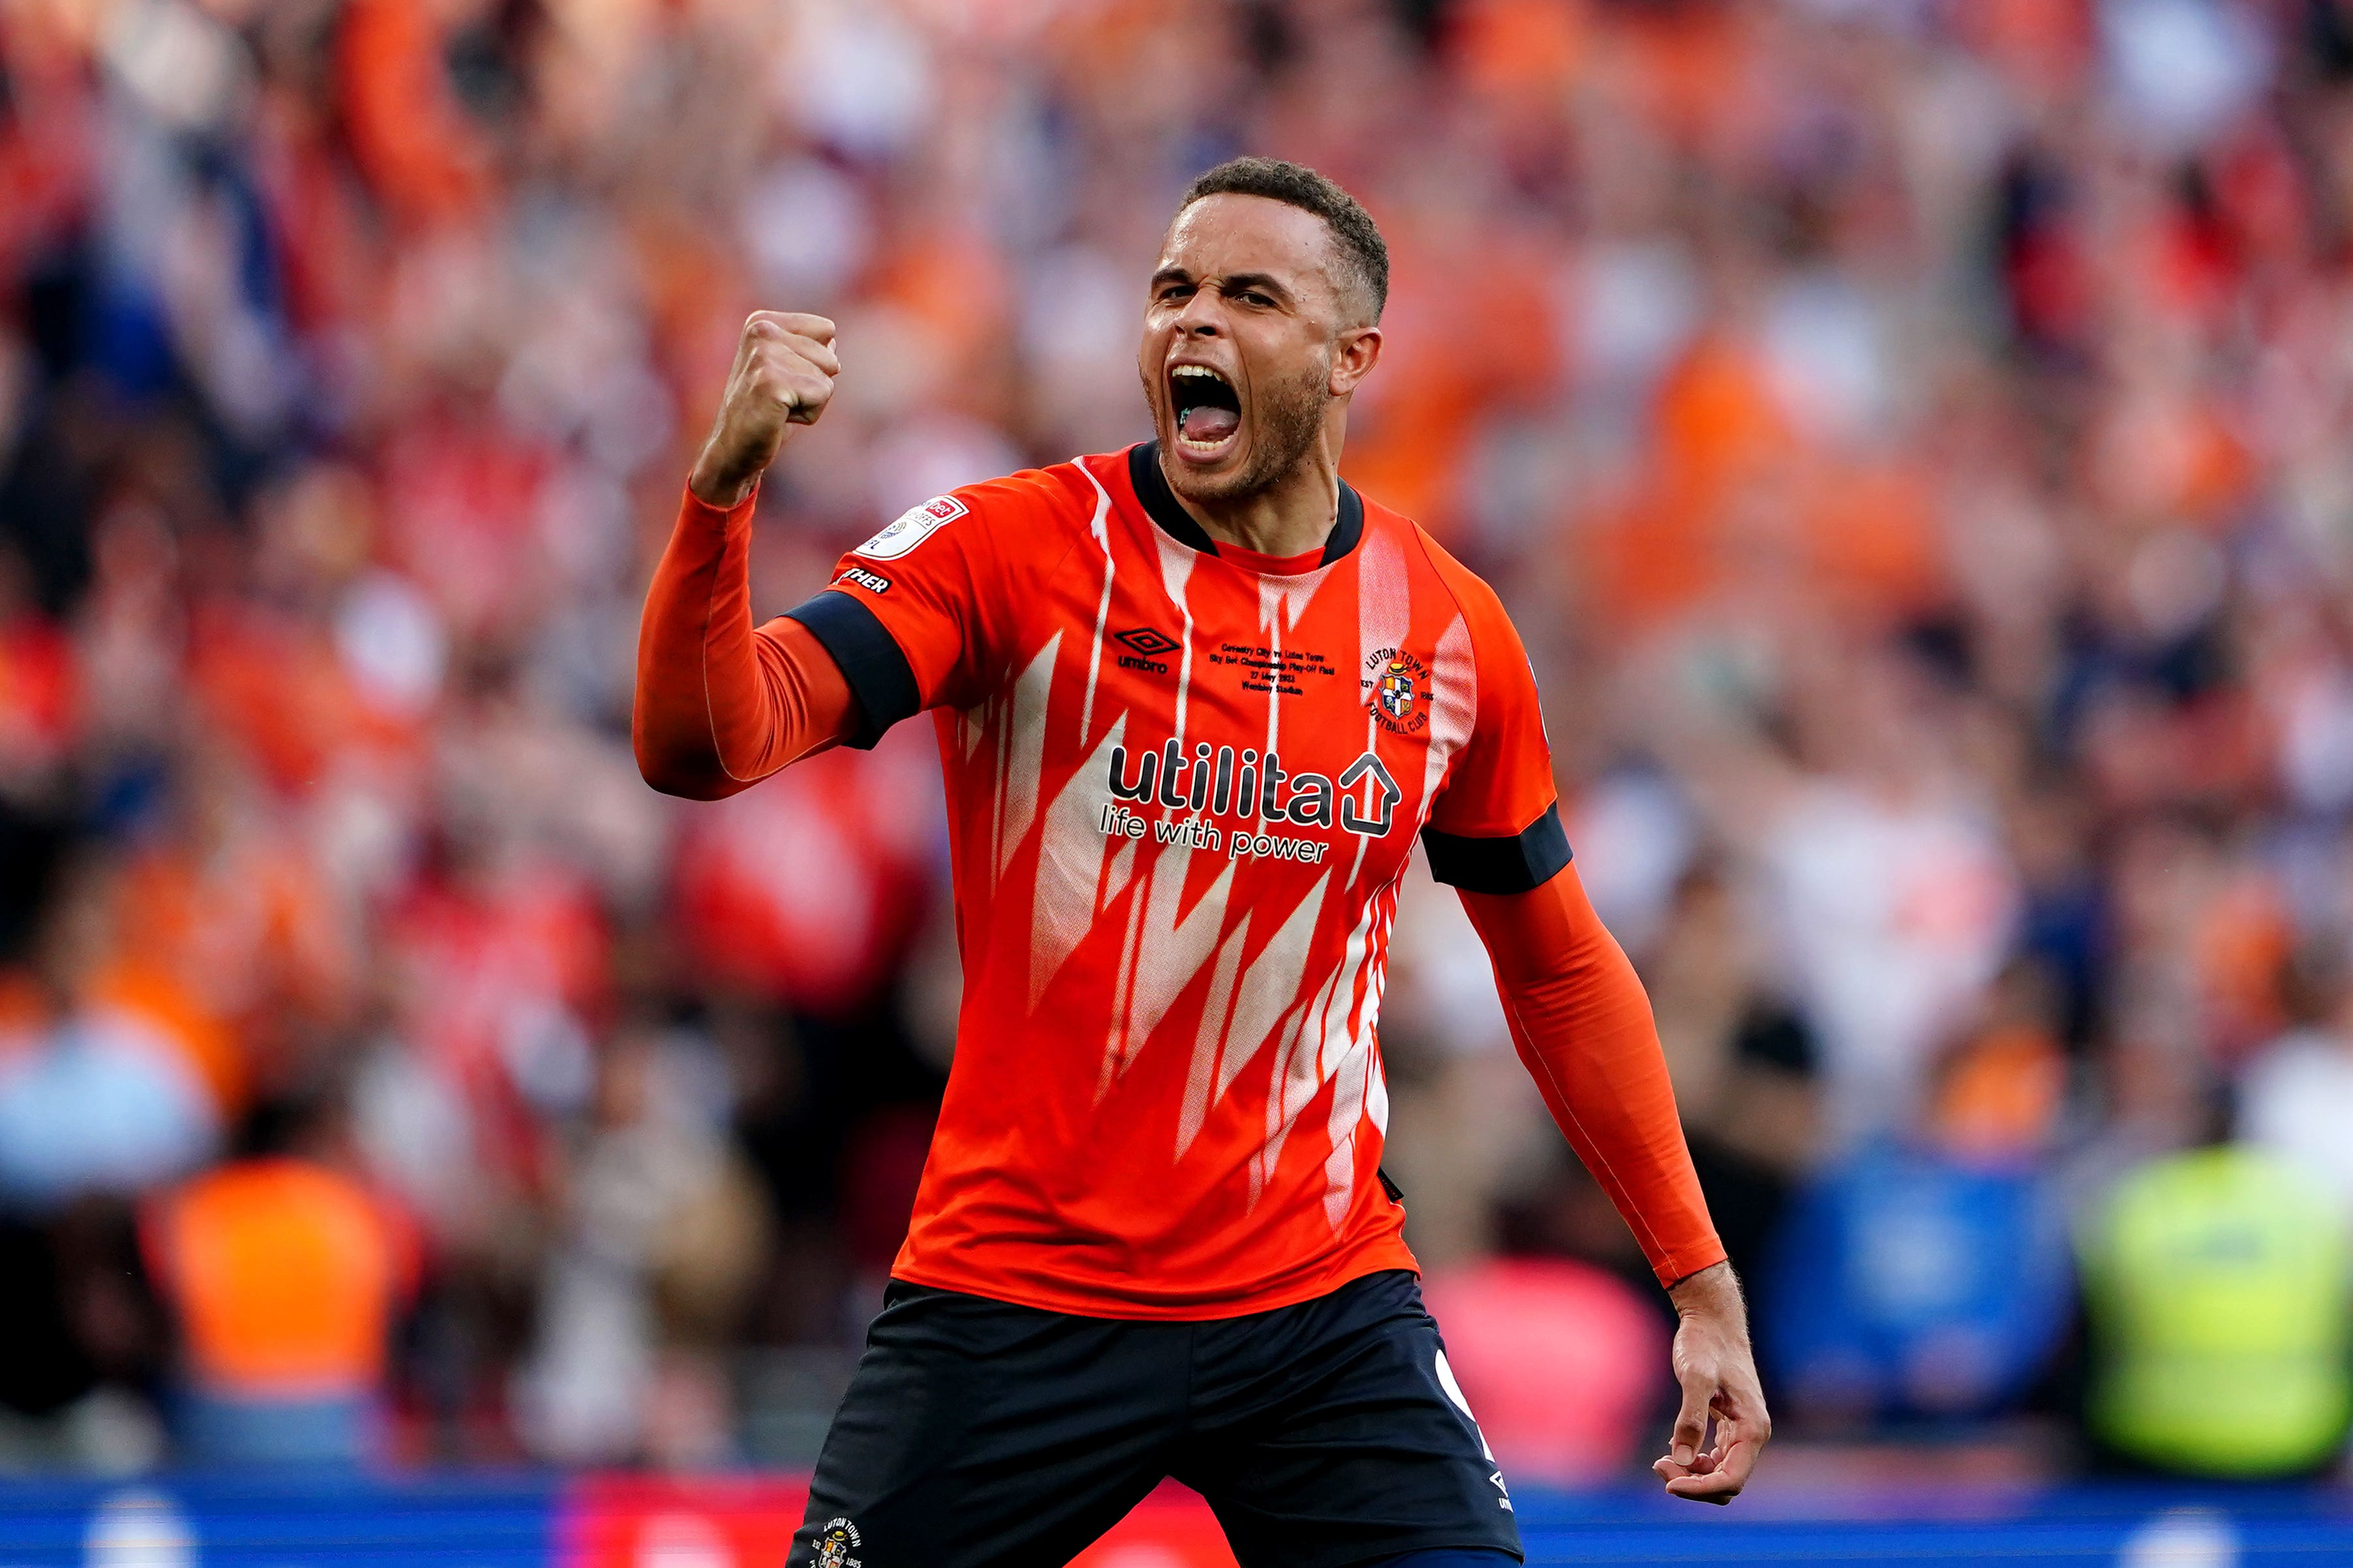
x: 1719, y: 1374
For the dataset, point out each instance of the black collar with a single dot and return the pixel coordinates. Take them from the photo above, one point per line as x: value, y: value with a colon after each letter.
x: 1160, y: 506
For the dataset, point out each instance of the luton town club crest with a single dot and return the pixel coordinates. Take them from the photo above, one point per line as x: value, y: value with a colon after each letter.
x: 834, y: 1546
x: 1398, y: 684
x: 1397, y: 690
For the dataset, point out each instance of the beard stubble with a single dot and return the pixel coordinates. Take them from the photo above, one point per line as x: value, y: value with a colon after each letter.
x: 1290, y: 417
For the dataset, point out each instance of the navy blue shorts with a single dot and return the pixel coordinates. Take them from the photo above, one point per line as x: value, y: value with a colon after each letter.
x: 981, y: 1434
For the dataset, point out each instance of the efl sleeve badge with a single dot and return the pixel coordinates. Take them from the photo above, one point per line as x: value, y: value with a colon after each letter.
x: 910, y: 528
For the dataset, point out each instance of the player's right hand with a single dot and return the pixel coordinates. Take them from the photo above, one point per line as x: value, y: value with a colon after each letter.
x: 782, y: 376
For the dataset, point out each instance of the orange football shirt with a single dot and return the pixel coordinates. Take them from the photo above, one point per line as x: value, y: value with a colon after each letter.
x: 1183, y: 785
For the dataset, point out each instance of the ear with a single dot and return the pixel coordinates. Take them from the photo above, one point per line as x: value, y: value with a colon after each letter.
x: 1354, y: 354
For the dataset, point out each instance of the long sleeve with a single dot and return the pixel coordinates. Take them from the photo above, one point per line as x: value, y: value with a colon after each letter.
x: 721, y: 703
x: 1583, y: 1025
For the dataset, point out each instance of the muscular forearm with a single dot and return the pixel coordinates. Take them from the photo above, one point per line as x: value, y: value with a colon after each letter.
x: 721, y: 704
x: 1583, y: 1027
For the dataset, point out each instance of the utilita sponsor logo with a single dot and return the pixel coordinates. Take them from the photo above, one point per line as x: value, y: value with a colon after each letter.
x: 1243, y: 784
x: 1147, y: 650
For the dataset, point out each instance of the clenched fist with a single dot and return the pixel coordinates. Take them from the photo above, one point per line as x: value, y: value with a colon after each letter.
x: 782, y: 376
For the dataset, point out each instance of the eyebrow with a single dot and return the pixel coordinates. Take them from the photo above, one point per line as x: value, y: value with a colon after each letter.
x: 1265, y: 281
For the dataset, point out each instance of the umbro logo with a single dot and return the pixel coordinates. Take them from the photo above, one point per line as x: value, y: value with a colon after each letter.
x: 1149, y: 643
x: 1151, y: 649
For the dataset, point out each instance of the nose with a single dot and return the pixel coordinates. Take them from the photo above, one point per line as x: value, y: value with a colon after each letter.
x: 1199, y: 317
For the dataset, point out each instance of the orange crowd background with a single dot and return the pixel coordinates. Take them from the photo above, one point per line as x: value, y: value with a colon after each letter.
x: 1914, y: 436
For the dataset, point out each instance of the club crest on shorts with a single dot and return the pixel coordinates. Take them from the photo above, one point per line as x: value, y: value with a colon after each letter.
x: 910, y: 528
x: 1398, y: 685
x: 836, y: 1543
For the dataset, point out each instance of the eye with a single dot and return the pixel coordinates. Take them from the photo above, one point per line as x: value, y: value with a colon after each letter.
x: 1170, y: 292
x: 1252, y: 298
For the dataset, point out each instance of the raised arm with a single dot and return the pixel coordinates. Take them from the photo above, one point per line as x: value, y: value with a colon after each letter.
x: 721, y: 704
x: 1583, y: 1025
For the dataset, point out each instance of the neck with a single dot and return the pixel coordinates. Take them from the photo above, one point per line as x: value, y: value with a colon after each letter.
x: 1171, y: 516
x: 1289, y: 517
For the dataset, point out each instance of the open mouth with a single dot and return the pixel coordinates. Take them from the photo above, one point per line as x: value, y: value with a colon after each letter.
x: 1208, y: 413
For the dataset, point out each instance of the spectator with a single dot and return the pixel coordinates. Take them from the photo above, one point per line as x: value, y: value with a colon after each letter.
x: 285, y: 1274
x: 1893, y: 898
x: 1927, y: 1276
x: 2296, y: 1099
x: 2220, y: 1289
x: 663, y: 1231
x: 95, y: 1097
x: 1744, y: 1067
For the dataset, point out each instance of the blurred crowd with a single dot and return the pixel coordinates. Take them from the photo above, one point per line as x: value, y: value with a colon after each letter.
x: 1914, y: 436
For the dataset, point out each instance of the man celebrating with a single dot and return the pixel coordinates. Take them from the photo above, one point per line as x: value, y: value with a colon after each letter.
x: 1195, y: 702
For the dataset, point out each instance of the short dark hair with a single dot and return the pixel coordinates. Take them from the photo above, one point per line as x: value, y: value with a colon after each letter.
x: 1364, y: 255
